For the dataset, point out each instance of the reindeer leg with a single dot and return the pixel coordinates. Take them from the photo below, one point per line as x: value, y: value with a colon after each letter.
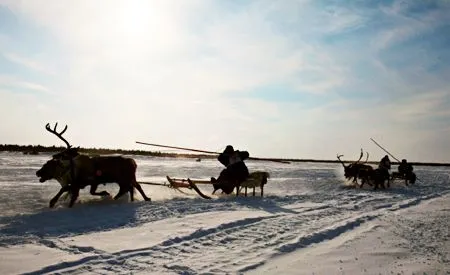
x: 131, y: 191
x: 121, y: 192
x: 94, y: 189
x: 375, y: 183
x: 139, y: 188
x: 75, y: 192
x: 56, y: 197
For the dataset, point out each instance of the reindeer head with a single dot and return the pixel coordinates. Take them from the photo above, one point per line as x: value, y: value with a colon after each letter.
x: 68, y: 153
x: 349, y: 170
x: 52, y: 169
x: 59, y: 164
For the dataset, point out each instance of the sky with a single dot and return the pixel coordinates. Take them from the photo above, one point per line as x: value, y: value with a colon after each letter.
x: 288, y: 79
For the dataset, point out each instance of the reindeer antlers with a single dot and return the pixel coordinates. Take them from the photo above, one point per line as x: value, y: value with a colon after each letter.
x: 360, y: 157
x: 339, y: 158
x: 47, y: 127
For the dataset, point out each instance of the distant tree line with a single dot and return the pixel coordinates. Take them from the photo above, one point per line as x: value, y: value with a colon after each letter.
x: 36, y: 149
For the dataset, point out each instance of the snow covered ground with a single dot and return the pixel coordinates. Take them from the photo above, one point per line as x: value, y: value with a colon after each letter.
x: 309, y: 222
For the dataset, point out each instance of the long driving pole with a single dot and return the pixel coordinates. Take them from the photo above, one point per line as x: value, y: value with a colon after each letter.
x: 203, y: 151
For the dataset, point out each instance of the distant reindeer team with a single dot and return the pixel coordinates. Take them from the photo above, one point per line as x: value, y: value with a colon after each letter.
x: 375, y: 176
x: 75, y: 171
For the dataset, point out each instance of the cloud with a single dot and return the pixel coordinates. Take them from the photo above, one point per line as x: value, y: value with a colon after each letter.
x: 293, y: 79
x: 12, y: 82
x: 407, y: 25
x: 29, y: 63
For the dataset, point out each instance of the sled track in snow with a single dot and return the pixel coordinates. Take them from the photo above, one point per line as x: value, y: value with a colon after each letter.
x: 263, y: 237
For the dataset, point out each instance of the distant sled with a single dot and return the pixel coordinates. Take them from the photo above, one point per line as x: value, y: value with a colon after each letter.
x: 407, y: 179
x: 394, y: 182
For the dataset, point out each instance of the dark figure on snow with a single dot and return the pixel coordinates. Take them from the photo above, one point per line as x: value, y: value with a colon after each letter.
x: 385, y: 163
x: 405, y: 170
x: 382, y: 173
x: 235, y: 172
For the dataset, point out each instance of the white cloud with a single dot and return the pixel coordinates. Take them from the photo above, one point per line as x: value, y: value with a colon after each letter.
x: 162, y: 71
x: 405, y: 26
x: 29, y: 63
x: 14, y: 82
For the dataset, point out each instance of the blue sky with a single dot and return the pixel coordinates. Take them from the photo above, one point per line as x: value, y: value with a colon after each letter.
x: 295, y: 79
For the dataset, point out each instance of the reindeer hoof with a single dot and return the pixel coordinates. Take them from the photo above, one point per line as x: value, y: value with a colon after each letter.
x: 147, y: 199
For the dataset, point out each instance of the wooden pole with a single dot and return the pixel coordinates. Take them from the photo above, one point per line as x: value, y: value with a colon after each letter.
x: 153, y: 183
x: 175, y: 147
x: 384, y: 149
x: 207, y: 152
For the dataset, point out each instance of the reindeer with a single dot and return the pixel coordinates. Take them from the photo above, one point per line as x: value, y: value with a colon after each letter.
x: 377, y: 176
x: 75, y: 171
x: 356, y: 170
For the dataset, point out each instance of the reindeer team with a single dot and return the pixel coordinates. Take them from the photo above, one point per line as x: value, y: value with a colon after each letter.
x: 75, y: 171
x: 367, y: 174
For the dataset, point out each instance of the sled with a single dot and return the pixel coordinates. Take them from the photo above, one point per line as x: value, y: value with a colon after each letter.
x: 179, y: 182
x: 188, y: 183
x: 254, y: 180
x: 411, y: 179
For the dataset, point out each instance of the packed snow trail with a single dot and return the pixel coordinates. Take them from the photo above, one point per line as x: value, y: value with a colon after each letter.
x: 305, y: 206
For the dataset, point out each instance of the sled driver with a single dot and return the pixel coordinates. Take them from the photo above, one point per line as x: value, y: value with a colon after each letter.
x: 235, y: 172
x: 385, y: 165
x: 406, y: 169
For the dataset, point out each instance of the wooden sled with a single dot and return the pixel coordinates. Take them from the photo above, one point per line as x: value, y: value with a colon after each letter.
x: 188, y: 183
x: 179, y: 182
x: 255, y: 179
x: 397, y: 176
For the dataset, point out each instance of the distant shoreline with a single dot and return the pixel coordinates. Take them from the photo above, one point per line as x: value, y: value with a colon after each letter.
x: 37, y: 149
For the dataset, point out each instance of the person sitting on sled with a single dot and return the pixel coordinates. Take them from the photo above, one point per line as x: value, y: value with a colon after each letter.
x: 235, y: 172
x: 405, y: 169
x: 385, y: 163
x: 384, y: 166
